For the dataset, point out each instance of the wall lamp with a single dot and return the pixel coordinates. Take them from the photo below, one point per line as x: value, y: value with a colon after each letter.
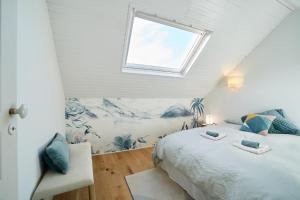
x: 235, y: 82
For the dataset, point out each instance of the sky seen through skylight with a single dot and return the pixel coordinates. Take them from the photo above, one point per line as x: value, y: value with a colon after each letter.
x: 159, y: 45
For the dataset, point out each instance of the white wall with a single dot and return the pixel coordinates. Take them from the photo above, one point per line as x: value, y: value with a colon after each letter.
x: 271, y: 73
x: 39, y: 86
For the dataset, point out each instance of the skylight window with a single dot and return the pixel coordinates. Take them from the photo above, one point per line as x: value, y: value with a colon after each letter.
x: 161, y: 47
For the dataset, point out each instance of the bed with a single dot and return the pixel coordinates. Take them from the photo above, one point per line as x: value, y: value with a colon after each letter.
x: 211, y: 170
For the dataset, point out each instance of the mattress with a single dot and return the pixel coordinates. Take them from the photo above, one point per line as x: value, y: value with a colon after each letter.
x: 210, y: 170
x: 184, y: 181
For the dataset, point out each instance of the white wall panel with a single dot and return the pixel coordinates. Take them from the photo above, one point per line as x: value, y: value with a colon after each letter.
x: 271, y: 77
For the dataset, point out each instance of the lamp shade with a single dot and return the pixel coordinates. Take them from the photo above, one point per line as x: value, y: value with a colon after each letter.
x: 235, y: 82
x: 209, y: 119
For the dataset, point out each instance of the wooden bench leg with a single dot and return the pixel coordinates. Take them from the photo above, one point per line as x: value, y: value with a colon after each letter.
x: 92, y: 194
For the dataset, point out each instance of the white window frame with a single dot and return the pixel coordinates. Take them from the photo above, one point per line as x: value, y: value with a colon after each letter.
x: 198, y: 46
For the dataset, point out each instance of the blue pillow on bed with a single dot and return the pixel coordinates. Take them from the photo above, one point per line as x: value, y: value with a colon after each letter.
x: 56, y: 154
x: 278, y: 113
x: 284, y: 126
x: 259, y: 124
x: 275, y: 112
x: 280, y: 125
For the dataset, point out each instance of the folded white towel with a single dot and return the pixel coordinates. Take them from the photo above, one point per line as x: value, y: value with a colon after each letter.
x: 221, y: 135
x: 263, y: 148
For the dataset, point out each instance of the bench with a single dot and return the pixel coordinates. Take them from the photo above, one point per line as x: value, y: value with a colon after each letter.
x: 79, y: 175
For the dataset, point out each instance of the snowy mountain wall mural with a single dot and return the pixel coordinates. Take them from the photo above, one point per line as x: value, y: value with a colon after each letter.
x: 117, y: 124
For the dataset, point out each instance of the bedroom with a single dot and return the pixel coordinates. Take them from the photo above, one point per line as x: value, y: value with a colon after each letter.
x: 151, y: 99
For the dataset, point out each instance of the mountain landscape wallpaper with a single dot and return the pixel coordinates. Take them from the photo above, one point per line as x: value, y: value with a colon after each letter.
x: 117, y: 124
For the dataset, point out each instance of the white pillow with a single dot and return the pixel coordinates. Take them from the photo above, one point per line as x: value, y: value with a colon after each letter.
x: 234, y: 121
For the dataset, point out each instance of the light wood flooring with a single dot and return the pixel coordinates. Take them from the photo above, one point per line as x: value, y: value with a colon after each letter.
x: 109, y: 173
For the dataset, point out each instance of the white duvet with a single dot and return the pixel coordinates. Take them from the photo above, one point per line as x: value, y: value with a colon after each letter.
x: 223, y: 171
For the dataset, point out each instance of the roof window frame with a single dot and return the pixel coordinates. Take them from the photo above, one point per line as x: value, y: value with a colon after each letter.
x: 200, y: 42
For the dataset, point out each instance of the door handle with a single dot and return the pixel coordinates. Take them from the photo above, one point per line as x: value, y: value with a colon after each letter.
x: 22, y: 111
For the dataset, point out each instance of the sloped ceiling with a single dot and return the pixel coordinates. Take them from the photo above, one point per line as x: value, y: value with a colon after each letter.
x: 89, y: 38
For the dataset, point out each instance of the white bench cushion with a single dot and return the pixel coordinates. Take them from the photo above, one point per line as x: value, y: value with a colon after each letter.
x: 79, y: 175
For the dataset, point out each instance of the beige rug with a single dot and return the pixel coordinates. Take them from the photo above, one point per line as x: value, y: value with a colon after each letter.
x: 154, y: 184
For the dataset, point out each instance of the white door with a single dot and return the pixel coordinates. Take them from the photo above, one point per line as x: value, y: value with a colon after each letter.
x: 8, y: 75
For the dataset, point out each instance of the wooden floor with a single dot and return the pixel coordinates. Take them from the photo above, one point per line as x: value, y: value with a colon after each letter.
x: 109, y: 173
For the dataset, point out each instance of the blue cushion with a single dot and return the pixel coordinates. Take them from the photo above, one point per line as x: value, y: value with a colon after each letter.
x: 257, y: 123
x: 56, y: 154
x: 284, y: 126
x: 278, y: 113
x: 280, y: 125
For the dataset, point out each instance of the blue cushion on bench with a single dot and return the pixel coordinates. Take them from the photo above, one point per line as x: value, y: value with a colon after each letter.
x: 56, y: 154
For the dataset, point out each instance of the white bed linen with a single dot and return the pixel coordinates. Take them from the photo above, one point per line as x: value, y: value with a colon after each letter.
x: 216, y: 170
